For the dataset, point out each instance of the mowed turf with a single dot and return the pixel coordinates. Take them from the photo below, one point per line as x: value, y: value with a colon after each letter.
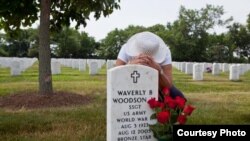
x: 217, y: 101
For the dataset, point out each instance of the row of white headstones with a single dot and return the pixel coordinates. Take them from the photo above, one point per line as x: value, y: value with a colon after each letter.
x: 94, y: 65
x: 18, y: 65
x: 197, y: 69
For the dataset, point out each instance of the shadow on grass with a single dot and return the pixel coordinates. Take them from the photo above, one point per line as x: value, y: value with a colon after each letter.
x: 217, y: 80
x: 245, y: 118
x: 67, y: 74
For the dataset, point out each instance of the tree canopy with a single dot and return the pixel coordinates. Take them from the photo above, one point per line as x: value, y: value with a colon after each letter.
x: 188, y: 36
x: 53, y: 15
x: 15, y: 14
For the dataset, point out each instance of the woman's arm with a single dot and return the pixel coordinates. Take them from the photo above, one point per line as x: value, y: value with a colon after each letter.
x: 141, y: 59
x: 165, y: 76
x: 165, y: 73
x: 119, y: 62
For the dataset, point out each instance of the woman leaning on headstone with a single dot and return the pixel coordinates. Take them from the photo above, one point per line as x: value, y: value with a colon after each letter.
x: 148, y: 49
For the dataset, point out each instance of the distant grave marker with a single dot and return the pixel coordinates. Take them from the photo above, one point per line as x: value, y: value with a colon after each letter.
x: 234, y: 74
x: 15, y: 68
x: 93, y: 68
x: 197, y: 72
x: 216, y: 69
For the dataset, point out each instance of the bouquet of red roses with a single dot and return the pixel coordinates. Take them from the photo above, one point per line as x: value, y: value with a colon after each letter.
x: 168, y: 112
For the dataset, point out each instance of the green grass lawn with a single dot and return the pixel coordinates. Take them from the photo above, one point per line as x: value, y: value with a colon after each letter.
x: 218, y: 101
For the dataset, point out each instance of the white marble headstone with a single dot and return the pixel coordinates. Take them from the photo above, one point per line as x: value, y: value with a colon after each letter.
x: 234, y: 74
x: 76, y: 64
x: 15, y: 68
x: 183, y: 67
x: 216, y: 69
x: 242, y: 69
x: 93, y: 68
x: 189, y: 68
x: 129, y: 88
x: 225, y: 67
x: 197, y: 72
x: 82, y: 65
x: 55, y: 67
x: 110, y: 64
x: 101, y: 62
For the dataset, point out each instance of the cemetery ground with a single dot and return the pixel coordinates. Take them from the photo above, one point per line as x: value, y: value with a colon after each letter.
x: 217, y: 101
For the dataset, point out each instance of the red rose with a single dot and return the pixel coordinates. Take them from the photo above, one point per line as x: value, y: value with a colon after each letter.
x: 166, y: 90
x: 180, y: 102
x: 170, y: 102
x: 188, y: 110
x: 153, y: 103
x: 163, y: 116
x: 160, y: 105
x: 182, y: 119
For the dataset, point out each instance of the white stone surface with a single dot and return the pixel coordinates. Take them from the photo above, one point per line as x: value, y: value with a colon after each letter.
x: 5, y: 62
x: 24, y: 63
x: 55, y: 67
x: 197, y: 72
x: 216, y: 69
x: 234, y: 73
x: 179, y: 66
x: 225, y: 67
x: 101, y: 62
x: 76, y: 64
x: 110, y: 64
x: 183, y: 67
x: 175, y: 64
x: 82, y: 65
x: 189, y: 68
x: 242, y: 68
x: 15, y: 68
x: 129, y: 88
x: 93, y: 68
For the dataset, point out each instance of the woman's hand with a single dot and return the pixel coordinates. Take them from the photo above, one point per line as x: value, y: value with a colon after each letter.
x: 153, y: 64
x: 141, y: 59
x: 146, y: 60
x: 166, y: 79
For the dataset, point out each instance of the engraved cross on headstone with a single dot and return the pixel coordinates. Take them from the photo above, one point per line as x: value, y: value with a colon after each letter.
x: 135, y: 75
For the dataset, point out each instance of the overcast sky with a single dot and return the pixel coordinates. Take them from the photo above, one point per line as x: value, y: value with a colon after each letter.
x: 151, y: 12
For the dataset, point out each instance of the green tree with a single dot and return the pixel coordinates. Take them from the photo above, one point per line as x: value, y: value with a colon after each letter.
x: 110, y: 46
x: 88, y: 46
x: 3, y: 52
x: 3, y: 45
x: 67, y: 42
x: 248, y: 22
x: 53, y: 15
x: 188, y: 36
x: 72, y: 44
x: 218, y: 50
x: 19, y: 44
x: 34, y: 43
x: 238, y: 37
